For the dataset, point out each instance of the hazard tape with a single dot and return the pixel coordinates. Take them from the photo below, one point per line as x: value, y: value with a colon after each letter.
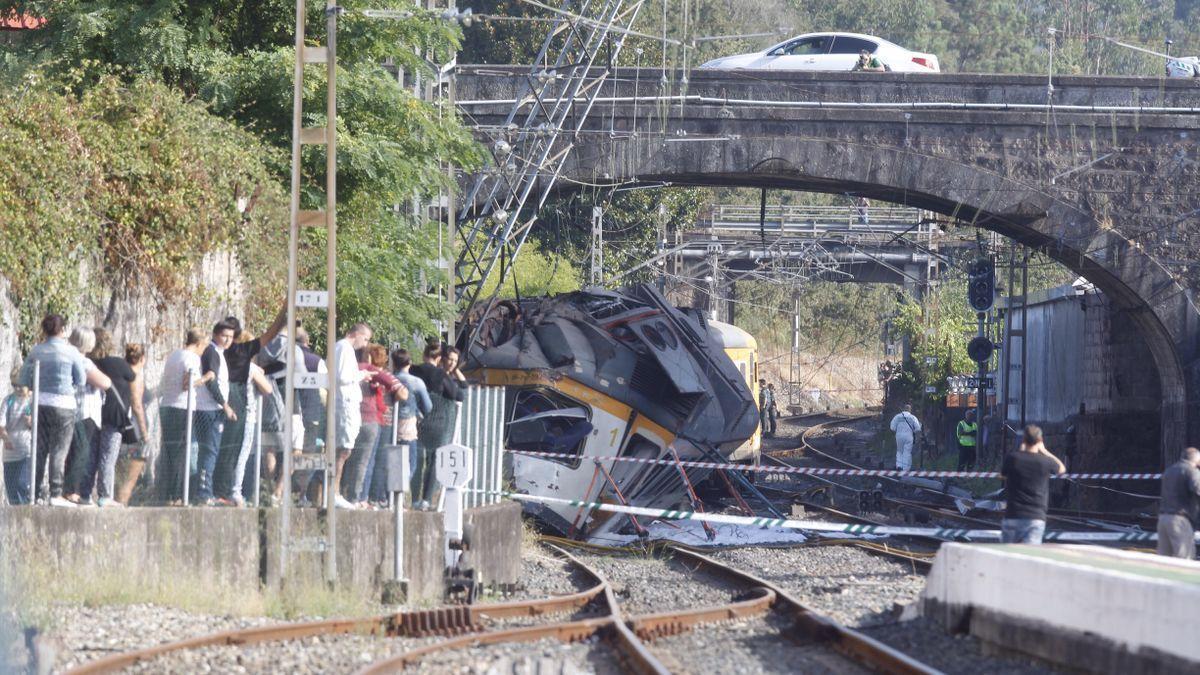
x: 943, y: 533
x: 837, y: 472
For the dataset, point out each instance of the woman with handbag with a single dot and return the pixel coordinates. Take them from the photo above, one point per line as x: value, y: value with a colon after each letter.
x: 115, y: 418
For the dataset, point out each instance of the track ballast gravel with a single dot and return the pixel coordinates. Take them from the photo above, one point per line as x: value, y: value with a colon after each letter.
x: 649, y: 585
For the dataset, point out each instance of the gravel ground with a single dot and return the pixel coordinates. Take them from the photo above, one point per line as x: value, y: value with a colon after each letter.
x: 311, y: 656
x: 650, y: 585
x: 87, y: 633
x: 952, y: 653
x: 544, y: 657
x: 846, y: 583
x: 83, y: 634
x: 757, y: 645
x: 543, y: 576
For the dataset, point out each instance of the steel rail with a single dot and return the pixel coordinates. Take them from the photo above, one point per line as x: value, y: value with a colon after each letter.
x: 851, y: 643
x: 634, y: 654
x: 452, y: 620
x: 663, y: 624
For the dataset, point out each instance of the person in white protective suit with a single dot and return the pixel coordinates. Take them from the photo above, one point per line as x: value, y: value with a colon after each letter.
x: 905, y: 425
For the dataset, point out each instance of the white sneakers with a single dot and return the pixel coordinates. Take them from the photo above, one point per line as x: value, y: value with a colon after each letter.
x: 65, y: 503
x: 342, y: 503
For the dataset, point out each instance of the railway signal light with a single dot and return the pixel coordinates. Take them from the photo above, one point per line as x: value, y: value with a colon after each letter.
x: 981, y: 284
x: 980, y: 349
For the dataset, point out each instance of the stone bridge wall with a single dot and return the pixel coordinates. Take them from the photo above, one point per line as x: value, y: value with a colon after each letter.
x: 1109, y: 193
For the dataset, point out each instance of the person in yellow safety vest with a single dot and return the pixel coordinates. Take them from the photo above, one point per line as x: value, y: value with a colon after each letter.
x: 967, y: 432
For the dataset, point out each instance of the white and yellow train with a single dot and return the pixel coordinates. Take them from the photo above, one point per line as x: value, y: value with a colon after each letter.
x: 594, y: 375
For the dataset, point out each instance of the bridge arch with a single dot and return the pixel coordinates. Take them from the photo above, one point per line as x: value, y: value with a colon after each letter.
x: 1138, y: 286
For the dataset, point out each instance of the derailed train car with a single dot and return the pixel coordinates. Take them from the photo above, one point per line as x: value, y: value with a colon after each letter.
x: 596, y: 374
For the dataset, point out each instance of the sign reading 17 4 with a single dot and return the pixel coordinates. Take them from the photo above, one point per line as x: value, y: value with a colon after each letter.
x: 455, y: 465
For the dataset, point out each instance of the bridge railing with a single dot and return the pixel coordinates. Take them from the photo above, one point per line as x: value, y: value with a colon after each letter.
x: 816, y: 221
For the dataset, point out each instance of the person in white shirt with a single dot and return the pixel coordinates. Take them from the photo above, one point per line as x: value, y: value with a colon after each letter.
x: 181, y: 372
x: 905, y: 425
x: 87, y: 423
x: 212, y: 409
x: 348, y: 394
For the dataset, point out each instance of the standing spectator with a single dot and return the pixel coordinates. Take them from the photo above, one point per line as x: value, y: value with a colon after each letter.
x: 766, y: 401
x: 62, y: 371
x: 273, y: 359
x: 349, y: 399
x: 905, y: 425
x: 135, y: 437
x: 864, y: 210
x: 16, y: 432
x: 239, y: 433
x: 436, y: 429
x: 87, y: 423
x: 417, y: 404
x: 373, y: 490
x: 181, y: 372
x: 1179, y: 508
x: 967, y: 432
x: 373, y: 411
x: 257, y: 386
x: 114, y: 418
x: 212, y: 409
x: 1026, y: 475
x: 774, y: 411
x: 312, y: 417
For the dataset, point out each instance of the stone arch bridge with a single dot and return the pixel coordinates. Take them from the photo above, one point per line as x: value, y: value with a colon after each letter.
x: 1101, y: 174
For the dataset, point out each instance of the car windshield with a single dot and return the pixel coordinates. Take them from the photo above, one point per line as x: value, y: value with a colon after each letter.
x: 804, y: 46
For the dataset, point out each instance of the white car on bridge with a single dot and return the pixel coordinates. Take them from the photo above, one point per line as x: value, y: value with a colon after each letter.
x: 829, y: 51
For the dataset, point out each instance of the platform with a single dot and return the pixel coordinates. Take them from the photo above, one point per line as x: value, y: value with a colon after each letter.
x: 1086, y: 607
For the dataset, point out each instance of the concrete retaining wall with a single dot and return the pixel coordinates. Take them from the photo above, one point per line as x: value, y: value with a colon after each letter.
x: 237, y: 550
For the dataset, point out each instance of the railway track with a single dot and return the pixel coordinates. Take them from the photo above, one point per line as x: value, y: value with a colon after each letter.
x: 639, y: 642
x: 937, y: 513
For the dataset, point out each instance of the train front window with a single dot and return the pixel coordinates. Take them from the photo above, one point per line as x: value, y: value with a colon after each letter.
x: 544, y: 421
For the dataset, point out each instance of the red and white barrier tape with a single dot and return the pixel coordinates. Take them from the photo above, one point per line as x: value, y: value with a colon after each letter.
x: 833, y: 472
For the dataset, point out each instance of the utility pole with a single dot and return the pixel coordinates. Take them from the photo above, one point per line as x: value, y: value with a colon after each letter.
x: 327, y: 136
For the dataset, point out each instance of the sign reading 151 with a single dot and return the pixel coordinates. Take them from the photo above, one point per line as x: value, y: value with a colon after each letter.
x: 455, y: 465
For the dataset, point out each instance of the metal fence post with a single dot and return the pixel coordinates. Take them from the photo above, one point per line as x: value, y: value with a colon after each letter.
x: 258, y: 413
x: 498, y: 430
x: 33, y: 428
x: 187, y: 442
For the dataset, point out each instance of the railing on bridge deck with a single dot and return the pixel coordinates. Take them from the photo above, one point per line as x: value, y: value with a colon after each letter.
x: 817, y: 220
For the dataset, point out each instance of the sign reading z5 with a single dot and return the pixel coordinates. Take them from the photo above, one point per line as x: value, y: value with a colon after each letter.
x: 455, y: 465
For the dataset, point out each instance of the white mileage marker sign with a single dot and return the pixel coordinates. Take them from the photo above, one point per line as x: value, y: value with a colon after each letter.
x: 312, y: 298
x: 455, y: 465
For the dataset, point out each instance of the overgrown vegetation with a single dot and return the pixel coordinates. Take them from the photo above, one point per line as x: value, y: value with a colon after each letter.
x: 130, y: 182
x: 235, y: 57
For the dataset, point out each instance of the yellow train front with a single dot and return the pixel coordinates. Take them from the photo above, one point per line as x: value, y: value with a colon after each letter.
x: 596, y: 380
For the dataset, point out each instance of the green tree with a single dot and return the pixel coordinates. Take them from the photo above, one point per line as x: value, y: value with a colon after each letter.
x: 130, y: 182
x: 236, y: 55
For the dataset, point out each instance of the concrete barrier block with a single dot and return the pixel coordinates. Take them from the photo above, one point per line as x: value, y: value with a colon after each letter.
x: 496, y: 554
x: 1100, y: 609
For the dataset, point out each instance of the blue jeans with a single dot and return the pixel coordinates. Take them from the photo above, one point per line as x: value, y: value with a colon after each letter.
x: 375, y: 482
x: 1022, y: 530
x: 16, y: 481
x: 207, y: 426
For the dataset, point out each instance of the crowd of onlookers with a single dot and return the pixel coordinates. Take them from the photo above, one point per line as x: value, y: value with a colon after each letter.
x: 94, y: 445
